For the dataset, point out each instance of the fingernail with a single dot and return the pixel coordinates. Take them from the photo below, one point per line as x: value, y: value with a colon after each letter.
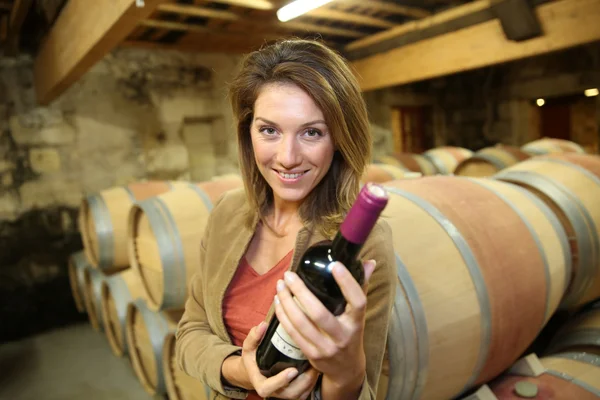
x: 276, y: 299
x: 280, y: 285
x: 373, y: 263
x: 289, y: 276
x: 292, y: 374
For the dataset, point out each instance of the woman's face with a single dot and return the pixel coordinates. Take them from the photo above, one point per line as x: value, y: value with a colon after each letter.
x: 292, y: 144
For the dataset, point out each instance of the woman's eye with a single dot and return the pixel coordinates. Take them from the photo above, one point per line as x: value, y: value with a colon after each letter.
x: 313, y: 132
x: 268, y: 131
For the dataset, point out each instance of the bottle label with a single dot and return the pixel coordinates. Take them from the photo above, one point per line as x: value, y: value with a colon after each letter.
x: 286, y: 345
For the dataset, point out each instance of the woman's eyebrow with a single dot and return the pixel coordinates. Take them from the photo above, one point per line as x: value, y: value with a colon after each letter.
x: 317, y: 121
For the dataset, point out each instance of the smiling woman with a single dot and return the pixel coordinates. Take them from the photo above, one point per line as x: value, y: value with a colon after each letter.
x: 304, y: 142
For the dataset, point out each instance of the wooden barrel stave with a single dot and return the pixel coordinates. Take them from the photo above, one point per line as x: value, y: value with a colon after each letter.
x: 572, y: 192
x: 550, y: 146
x: 579, y: 334
x: 380, y: 173
x: 93, y: 283
x: 163, y: 239
x: 103, y: 221
x: 446, y: 158
x: 118, y: 291
x: 146, y: 331
x: 488, y: 161
x: 77, y: 265
x: 421, y: 251
x: 565, y: 376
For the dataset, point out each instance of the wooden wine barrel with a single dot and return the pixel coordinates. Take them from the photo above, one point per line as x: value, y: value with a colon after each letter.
x: 580, y: 334
x: 446, y: 158
x: 164, y: 239
x: 411, y: 162
x: 77, y: 265
x: 380, y: 173
x: 93, y: 279
x: 590, y: 162
x: 180, y: 386
x: 572, y: 192
x: 488, y: 161
x: 103, y: 221
x: 118, y: 291
x: 481, y: 268
x: 566, y: 376
x: 551, y: 145
x: 146, y: 331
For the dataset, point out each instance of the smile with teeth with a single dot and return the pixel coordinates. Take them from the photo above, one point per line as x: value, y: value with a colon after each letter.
x: 290, y: 176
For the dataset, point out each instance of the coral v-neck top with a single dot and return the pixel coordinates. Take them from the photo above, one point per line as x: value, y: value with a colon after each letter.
x: 248, y: 300
x: 249, y: 297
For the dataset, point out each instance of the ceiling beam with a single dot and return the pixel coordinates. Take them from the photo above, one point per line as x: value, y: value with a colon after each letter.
x: 197, y: 11
x: 256, y: 4
x: 343, y: 16
x: 84, y: 32
x: 18, y: 13
x: 413, y: 12
x: 566, y: 23
x: 209, y: 32
x: 416, y: 26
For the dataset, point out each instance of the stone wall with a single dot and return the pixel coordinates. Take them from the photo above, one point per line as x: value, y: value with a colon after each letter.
x: 136, y: 115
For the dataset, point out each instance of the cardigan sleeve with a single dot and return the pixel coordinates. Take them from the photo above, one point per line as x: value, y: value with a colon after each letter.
x: 199, y: 351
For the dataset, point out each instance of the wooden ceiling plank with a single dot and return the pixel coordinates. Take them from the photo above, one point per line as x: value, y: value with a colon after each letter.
x: 197, y: 11
x: 566, y: 23
x: 343, y: 16
x: 84, y: 33
x: 305, y: 26
x: 412, y: 26
x: 413, y: 12
x: 211, y: 32
x: 18, y: 13
x: 256, y: 4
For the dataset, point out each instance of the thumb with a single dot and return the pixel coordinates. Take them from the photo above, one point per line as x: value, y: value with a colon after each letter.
x: 254, y: 336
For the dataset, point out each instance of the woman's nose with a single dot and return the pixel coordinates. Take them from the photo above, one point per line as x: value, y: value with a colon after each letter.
x: 288, y: 153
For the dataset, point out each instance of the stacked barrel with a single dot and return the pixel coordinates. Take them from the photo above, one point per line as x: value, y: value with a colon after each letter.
x: 140, y: 252
x: 487, y: 252
x: 483, y: 263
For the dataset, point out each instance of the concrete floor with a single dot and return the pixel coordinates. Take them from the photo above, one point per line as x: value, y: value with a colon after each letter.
x: 74, y: 363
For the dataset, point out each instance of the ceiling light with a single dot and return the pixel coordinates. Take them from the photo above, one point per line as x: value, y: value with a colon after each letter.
x: 540, y: 102
x: 298, y: 8
x: 591, y: 92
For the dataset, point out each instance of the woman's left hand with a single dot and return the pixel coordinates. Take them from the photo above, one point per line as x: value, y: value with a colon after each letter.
x: 333, y: 345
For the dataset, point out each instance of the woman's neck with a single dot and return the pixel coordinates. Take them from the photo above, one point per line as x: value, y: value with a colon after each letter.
x: 284, y: 217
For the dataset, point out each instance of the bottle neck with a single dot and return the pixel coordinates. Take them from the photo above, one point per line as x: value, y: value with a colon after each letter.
x: 345, y: 251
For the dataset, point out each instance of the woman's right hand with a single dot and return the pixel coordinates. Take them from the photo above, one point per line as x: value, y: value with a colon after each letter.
x: 281, y: 385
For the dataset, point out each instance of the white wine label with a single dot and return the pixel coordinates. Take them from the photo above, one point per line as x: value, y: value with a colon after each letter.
x: 286, y: 345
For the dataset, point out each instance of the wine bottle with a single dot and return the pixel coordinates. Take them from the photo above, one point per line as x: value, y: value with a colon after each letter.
x: 277, y: 351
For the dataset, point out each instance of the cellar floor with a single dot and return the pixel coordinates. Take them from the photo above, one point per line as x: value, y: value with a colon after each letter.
x: 74, y: 363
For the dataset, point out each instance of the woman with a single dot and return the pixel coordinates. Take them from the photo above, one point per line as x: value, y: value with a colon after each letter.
x: 304, y: 142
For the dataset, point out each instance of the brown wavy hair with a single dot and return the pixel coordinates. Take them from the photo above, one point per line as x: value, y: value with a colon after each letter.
x: 327, y: 78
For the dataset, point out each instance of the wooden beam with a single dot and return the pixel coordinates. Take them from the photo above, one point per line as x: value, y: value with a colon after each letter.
x: 305, y: 26
x: 18, y: 14
x: 566, y: 23
x: 256, y: 4
x: 413, y: 12
x: 210, y: 32
x: 518, y: 19
x: 415, y: 26
x: 84, y: 33
x: 343, y: 16
x: 197, y: 11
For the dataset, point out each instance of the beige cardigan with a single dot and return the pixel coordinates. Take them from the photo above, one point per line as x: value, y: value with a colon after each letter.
x: 202, y: 340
